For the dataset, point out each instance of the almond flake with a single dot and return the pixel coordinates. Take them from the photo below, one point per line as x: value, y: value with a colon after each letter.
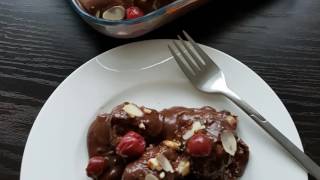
x: 132, y: 110
x: 196, y: 126
x: 150, y: 177
x: 154, y: 164
x: 114, y: 13
x: 229, y: 142
x: 165, y: 163
x: 184, y: 167
x: 147, y: 111
x: 172, y: 144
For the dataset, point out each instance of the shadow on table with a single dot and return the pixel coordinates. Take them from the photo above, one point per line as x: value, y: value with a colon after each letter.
x: 213, y: 18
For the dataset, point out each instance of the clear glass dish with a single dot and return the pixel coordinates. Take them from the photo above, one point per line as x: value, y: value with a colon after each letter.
x: 139, y: 26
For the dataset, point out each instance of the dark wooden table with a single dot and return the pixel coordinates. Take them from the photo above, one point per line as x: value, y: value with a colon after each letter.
x: 43, y: 41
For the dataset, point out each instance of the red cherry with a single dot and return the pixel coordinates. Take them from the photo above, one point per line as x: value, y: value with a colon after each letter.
x: 131, y: 144
x: 96, y: 166
x: 134, y: 12
x: 199, y: 145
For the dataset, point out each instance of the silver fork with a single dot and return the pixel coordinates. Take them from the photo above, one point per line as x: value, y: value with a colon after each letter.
x: 205, y: 75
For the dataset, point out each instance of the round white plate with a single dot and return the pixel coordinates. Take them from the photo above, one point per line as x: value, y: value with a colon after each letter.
x: 145, y: 73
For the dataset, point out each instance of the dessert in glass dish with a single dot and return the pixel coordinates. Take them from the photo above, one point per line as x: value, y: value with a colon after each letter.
x: 131, y: 18
x: 122, y: 9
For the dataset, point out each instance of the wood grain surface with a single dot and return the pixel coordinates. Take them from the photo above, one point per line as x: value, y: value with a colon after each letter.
x: 43, y: 41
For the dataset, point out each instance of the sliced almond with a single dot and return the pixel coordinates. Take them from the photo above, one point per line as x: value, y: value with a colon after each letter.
x: 184, y: 167
x: 229, y: 142
x: 172, y: 144
x: 150, y: 177
x: 147, y: 111
x: 154, y: 164
x: 165, y: 163
x: 114, y: 13
x: 133, y: 110
x: 196, y: 126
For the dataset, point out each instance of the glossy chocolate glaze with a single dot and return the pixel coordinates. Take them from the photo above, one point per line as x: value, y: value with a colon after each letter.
x: 168, y: 124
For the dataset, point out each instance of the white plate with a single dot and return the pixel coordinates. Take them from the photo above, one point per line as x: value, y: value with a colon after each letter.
x: 145, y: 73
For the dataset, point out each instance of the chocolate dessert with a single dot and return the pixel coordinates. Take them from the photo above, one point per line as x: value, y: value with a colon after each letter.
x: 121, y: 9
x: 139, y: 143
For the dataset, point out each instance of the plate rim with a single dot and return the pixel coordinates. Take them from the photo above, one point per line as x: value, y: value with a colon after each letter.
x: 94, y: 59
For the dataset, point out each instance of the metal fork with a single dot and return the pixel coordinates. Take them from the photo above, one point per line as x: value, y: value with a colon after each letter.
x: 205, y: 75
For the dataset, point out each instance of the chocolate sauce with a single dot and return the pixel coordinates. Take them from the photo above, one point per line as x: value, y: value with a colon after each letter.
x: 169, y: 124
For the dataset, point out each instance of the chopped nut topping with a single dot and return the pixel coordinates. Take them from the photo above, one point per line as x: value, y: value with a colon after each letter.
x: 132, y: 110
x: 142, y: 126
x: 162, y: 175
x: 184, y: 167
x: 196, y: 126
x: 165, y: 163
x: 231, y: 120
x: 154, y: 164
x: 172, y: 144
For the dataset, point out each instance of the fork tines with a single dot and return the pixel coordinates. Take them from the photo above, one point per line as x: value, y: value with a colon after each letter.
x: 194, y: 59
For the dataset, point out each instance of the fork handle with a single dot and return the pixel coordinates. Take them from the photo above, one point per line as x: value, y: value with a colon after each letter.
x: 299, y: 155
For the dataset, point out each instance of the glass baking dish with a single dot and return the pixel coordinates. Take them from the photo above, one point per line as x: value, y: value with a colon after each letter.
x: 139, y: 26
